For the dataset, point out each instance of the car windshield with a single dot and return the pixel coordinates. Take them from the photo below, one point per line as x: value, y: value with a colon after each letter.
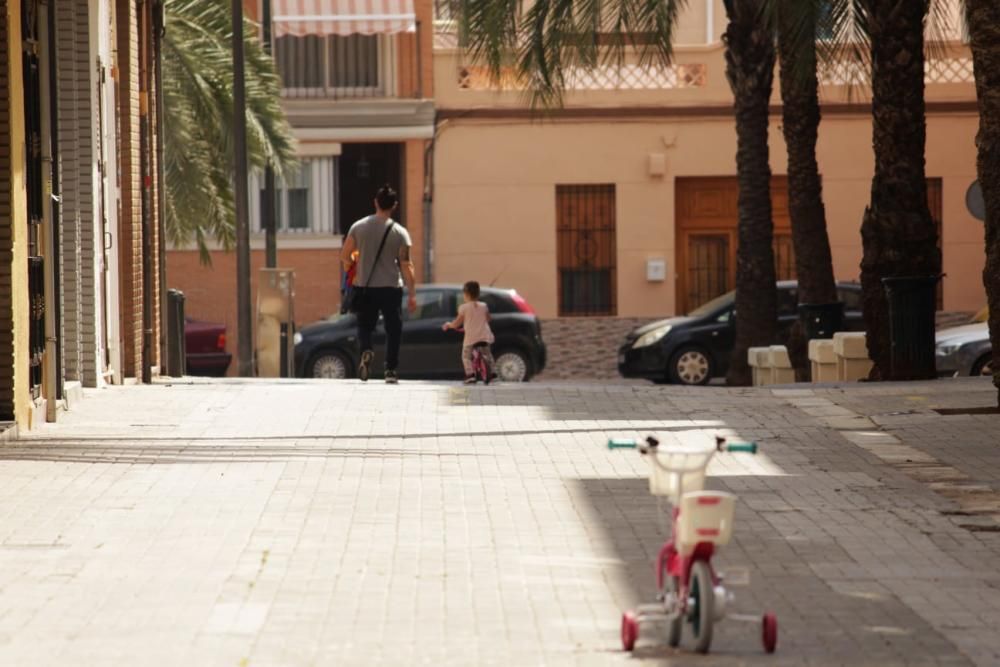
x: 713, y: 305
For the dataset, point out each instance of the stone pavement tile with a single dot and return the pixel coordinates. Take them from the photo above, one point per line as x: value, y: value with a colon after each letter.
x: 317, y: 523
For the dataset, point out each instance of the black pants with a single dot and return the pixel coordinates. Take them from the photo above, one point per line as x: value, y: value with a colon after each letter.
x: 389, y: 302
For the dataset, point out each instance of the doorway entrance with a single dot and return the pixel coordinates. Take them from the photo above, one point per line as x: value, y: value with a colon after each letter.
x: 361, y: 170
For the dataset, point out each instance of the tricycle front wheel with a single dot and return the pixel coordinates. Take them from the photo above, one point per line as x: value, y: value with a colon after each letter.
x: 701, y: 613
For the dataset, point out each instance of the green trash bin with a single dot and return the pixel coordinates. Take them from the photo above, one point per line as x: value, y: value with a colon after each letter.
x: 912, y: 308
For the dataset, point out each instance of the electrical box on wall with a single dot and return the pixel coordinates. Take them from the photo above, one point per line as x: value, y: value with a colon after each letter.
x: 656, y: 270
x: 657, y: 164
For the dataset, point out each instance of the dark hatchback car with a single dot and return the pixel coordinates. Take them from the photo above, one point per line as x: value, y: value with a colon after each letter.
x: 329, y: 349
x: 697, y: 347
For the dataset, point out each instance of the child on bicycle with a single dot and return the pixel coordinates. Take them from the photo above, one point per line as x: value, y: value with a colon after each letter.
x: 474, y: 317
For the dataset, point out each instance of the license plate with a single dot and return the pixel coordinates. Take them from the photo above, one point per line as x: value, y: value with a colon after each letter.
x: 621, y: 358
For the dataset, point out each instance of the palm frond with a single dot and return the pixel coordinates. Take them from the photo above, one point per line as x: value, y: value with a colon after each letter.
x: 546, y: 41
x: 198, y: 120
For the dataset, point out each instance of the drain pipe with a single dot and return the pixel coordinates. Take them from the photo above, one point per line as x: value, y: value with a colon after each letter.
x: 428, y: 212
x: 146, y: 201
x: 159, y: 30
x: 429, y: 200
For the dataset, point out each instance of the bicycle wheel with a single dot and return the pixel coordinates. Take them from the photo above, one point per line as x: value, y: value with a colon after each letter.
x: 702, y: 612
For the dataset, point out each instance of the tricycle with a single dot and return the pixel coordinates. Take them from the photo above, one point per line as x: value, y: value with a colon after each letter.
x: 689, y: 588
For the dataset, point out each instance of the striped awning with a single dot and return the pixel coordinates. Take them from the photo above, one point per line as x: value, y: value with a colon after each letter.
x: 342, y: 17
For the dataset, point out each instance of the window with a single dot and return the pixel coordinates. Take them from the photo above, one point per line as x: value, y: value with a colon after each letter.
x: 498, y: 304
x: 303, y: 200
x: 433, y: 304
x: 788, y: 302
x: 851, y: 296
x: 585, y: 237
x: 443, y: 10
x: 328, y: 65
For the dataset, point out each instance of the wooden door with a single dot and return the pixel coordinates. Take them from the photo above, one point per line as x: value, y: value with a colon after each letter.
x: 709, y: 263
x: 706, y: 219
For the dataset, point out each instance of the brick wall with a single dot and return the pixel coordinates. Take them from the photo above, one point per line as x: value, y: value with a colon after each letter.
x: 585, y: 348
x: 210, y: 291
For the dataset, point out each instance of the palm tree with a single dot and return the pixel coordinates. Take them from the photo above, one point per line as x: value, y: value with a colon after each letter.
x: 798, y: 24
x: 750, y: 57
x: 198, y: 111
x: 899, y: 237
x: 983, y: 19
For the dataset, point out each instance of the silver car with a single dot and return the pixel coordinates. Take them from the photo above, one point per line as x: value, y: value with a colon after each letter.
x: 965, y: 350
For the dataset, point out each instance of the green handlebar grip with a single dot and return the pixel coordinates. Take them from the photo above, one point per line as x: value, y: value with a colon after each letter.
x: 622, y: 443
x: 748, y: 447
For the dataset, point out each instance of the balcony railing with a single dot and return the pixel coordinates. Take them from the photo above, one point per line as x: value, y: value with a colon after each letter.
x: 341, y: 67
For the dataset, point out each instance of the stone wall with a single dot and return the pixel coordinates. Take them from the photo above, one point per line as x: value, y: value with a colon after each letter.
x: 585, y: 347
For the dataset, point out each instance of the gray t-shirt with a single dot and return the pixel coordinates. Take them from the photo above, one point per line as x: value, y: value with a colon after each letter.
x: 367, y: 234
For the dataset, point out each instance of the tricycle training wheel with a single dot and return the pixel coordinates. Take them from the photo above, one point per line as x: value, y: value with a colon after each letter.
x: 630, y: 630
x: 769, y: 624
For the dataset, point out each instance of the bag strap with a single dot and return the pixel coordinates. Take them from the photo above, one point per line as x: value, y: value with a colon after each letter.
x: 392, y: 223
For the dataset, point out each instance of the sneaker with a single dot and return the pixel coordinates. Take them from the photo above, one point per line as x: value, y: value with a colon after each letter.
x: 470, y: 380
x: 391, y: 377
x: 366, y: 362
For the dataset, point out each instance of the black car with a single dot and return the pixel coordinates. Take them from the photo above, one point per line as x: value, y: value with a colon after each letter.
x: 697, y: 347
x: 329, y: 349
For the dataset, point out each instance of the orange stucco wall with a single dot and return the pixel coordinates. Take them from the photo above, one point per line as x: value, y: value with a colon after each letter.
x: 494, y: 204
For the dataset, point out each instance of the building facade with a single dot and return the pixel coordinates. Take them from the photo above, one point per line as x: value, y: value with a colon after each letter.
x: 622, y: 203
x: 78, y: 201
x: 357, y: 91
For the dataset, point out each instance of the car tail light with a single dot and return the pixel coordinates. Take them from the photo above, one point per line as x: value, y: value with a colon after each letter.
x: 220, y: 343
x: 521, y: 304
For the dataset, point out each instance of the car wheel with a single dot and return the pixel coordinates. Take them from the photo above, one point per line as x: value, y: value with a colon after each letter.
x: 330, y: 365
x: 984, y: 366
x: 690, y: 365
x: 512, y: 366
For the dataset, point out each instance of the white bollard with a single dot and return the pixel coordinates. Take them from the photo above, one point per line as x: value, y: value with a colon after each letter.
x: 823, y: 360
x: 759, y: 359
x: 851, y: 349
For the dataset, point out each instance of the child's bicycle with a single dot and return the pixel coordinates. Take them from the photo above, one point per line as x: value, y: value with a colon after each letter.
x: 690, y: 589
x: 480, y: 369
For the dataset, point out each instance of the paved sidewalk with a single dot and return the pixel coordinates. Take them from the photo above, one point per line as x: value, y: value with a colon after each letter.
x: 319, y: 523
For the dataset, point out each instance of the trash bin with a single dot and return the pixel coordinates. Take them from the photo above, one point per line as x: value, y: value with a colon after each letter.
x: 912, y: 306
x: 176, y: 346
x: 821, y: 320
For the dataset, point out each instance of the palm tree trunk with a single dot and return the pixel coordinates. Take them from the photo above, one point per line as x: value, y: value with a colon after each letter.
x: 750, y: 69
x: 898, y: 235
x: 984, y: 31
x: 800, y: 124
